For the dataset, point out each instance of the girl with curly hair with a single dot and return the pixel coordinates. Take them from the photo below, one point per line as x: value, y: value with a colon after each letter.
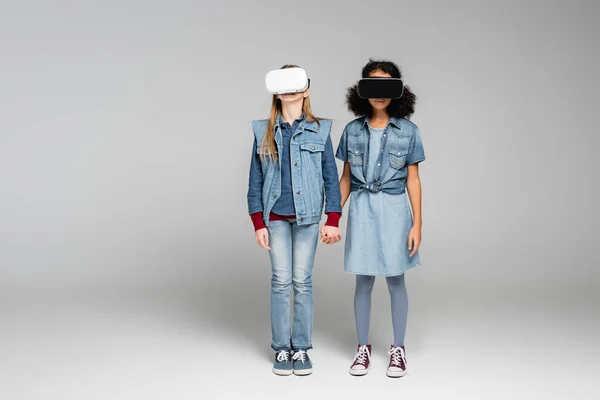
x: 381, y: 150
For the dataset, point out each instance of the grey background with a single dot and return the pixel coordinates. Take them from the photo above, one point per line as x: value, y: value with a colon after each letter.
x: 128, y: 267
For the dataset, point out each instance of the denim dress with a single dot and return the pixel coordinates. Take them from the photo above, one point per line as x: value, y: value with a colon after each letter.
x: 378, y: 222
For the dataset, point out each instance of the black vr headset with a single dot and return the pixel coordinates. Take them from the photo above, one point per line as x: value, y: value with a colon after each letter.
x: 380, y: 88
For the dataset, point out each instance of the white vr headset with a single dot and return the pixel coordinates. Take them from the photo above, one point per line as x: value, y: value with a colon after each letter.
x: 287, y: 80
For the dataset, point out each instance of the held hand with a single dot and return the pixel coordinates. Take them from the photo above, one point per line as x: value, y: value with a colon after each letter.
x: 262, y: 238
x: 414, y: 240
x: 330, y: 234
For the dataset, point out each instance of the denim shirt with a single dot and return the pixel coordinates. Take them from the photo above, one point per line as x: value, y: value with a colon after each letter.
x: 401, y: 146
x: 285, y: 203
x: 313, y: 177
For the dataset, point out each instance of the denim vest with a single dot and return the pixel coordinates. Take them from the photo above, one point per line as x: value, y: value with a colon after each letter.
x: 306, y: 152
x: 401, y: 145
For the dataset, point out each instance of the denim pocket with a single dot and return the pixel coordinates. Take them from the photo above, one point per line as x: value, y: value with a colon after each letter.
x: 398, y: 157
x: 356, y: 155
x: 314, y: 148
x: 312, y: 154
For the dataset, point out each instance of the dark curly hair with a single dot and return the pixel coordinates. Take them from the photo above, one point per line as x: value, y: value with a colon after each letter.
x: 403, y: 107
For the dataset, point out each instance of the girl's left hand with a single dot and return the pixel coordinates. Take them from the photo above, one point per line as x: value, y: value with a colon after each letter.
x: 414, y: 240
x: 330, y: 234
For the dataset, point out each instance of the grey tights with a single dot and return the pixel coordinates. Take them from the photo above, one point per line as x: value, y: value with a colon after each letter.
x: 362, y: 306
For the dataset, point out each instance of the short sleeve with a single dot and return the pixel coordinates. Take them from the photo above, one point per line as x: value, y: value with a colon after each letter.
x: 416, y: 152
x: 342, y: 149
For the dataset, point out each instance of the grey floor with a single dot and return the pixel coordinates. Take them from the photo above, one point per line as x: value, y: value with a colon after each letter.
x: 195, y: 345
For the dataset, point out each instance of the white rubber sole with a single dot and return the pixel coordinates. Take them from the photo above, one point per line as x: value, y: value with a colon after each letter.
x: 358, y: 372
x: 303, y: 372
x: 282, y: 372
x: 396, y: 374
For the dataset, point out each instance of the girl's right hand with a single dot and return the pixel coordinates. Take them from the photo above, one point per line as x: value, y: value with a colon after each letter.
x: 330, y: 234
x: 262, y: 238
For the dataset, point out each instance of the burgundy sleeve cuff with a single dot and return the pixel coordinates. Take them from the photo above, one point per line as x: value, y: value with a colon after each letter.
x: 333, y: 219
x: 257, y: 220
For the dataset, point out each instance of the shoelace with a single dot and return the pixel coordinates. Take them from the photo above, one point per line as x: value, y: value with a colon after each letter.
x: 299, y: 355
x: 362, y: 355
x: 398, y: 358
x: 283, y: 356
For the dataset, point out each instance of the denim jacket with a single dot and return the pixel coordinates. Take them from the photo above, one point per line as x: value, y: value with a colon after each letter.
x: 401, y: 146
x: 315, y: 179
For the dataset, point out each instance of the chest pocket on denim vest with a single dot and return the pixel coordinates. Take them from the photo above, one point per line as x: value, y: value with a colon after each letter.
x: 312, y: 154
x: 398, y: 150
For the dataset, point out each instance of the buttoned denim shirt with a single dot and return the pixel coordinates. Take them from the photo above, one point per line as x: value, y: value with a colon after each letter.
x: 401, y: 146
x: 285, y: 203
x: 314, y: 176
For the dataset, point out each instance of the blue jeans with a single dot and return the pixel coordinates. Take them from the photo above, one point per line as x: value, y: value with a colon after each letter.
x: 292, y: 255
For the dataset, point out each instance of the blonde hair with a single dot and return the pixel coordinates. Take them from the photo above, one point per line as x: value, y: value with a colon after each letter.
x: 268, y: 145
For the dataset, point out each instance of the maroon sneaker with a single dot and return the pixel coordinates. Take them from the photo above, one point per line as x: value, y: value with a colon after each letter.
x: 360, y: 365
x: 397, y: 367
